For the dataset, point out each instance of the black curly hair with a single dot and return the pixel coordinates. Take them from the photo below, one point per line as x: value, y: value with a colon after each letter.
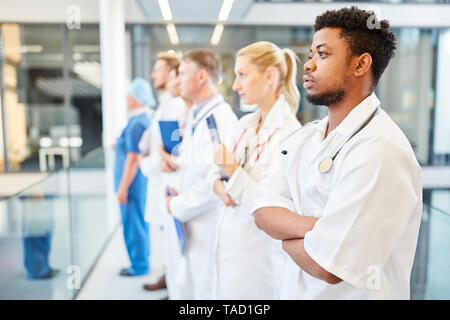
x: 363, y: 34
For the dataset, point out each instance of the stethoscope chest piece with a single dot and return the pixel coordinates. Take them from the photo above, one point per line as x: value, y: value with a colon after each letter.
x: 325, y: 165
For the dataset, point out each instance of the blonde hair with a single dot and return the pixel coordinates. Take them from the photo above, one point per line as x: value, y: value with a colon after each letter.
x: 171, y: 58
x: 265, y: 54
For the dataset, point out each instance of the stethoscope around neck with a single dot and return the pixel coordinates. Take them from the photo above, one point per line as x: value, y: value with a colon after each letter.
x: 327, y: 163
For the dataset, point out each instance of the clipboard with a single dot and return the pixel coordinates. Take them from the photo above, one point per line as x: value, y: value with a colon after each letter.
x: 180, y: 231
x: 170, y: 135
x: 212, y: 126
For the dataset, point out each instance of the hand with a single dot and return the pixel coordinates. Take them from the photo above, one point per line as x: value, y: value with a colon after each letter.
x: 225, y: 159
x: 219, y: 189
x: 169, y: 159
x: 169, y: 198
x: 165, y: 167
x: 122, y: 195
x: 228, y: 201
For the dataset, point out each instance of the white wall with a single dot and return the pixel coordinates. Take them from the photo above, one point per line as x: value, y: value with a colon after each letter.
x: 442, y: 112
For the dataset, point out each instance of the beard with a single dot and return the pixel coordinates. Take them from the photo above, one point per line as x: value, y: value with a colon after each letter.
x: 332, y: 96
x: 327, y: 98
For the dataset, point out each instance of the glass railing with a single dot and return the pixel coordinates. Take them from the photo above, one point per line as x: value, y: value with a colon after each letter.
x: 52, y: 233
x: 430, y: 278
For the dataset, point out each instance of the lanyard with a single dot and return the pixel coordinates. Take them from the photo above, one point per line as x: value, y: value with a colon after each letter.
x: 262, y: 145
x: 194, y: 127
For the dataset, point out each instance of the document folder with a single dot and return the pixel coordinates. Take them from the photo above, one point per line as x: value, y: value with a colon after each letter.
x: 170, y: 135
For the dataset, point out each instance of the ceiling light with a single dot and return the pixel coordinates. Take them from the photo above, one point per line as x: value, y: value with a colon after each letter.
x: 172, y: 34
x: 225, y: 10
x: 165, y: 9
x: 215, y: 39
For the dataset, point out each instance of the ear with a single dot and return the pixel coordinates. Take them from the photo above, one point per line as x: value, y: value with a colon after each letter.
x: 202, y: 76
x: 271, y: 75
x: 363, y: 64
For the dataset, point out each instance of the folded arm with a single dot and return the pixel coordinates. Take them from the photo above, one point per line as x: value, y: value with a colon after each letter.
x: 296, y: 250
x: 283, y: 224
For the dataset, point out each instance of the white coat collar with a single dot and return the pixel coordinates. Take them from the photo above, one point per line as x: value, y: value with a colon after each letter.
x: 358, y: 115
x: 275, y: 118
x: 218, y: 98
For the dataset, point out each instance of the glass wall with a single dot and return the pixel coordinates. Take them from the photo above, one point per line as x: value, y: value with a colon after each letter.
x: 51, y: 117
x: 429, y: 278
x: 51, y: 94
x: 85, y: 92
x: 407, y: 87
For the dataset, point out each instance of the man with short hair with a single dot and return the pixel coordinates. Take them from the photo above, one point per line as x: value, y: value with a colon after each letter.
x: 346, y: 200
x: 193, y: 201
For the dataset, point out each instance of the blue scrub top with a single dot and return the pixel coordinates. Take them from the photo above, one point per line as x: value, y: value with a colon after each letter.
x: 128, y: 142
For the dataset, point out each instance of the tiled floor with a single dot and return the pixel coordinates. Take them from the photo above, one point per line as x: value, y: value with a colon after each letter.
x: 105, y: 283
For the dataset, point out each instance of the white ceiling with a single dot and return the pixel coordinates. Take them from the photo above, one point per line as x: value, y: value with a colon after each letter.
x: 243, y: 12
x: 202, y: 11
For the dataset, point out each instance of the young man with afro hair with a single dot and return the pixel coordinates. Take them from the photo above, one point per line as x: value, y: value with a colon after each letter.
x: 346, y: 197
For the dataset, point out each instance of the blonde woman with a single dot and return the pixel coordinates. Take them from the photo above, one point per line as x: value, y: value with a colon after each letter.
x: 248, y: 263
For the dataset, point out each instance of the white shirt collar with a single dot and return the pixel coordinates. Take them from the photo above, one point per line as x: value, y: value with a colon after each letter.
x: 205, y: 107
x: 354, y: 119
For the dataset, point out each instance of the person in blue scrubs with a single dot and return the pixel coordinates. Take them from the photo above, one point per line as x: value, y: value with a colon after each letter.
x: 130, y: 183
x: 37, y: 226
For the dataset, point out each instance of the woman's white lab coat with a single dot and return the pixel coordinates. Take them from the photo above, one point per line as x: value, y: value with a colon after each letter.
x: 249, y: 263
x: 196, y: 204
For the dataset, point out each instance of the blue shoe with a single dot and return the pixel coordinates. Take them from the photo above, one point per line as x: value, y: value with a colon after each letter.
x: 129, y: 272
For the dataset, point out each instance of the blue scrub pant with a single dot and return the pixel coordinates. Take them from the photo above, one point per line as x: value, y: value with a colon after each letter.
x: 136, y: 234
x: 36, y: 251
